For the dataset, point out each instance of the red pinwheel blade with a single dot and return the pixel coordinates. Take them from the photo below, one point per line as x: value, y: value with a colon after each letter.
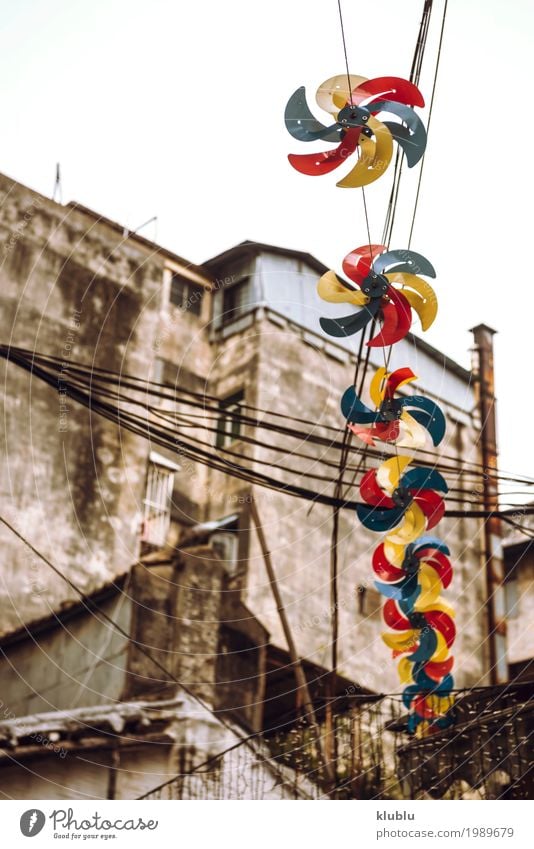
x: 439, y: 563
x: 386, y: 335
x: 315, y: 164
x: 437, y: 671
x: 395, y: 379
x: 393, y: 617
x: 357, y: 264
x: 404, y: 310
x: 386, y: 432
x: 383, y: 569
x: 371, y: 492
x: 395, y: 88
x: 397, y: 652
x: 365, y: 433
x: 443, y: 623
x: 431, y: 504
x: 397, y: 317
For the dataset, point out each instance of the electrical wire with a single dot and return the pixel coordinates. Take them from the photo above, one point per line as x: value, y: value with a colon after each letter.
x: 202, y: 451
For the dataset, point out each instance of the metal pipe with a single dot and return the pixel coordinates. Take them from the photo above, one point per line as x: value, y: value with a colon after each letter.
x: 496, y: 614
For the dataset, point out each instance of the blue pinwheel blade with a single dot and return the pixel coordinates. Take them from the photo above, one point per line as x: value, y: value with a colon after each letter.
x: 411, y: 138
x: 408, y: 695
x: 432, y: 542
x: 302, y: 124
x: 409, y: 598
x: 421, y: 478
x: 428, y: 643
x: 423, y: 681
x: 379, y: 520
x: 413, y: 144
x: 402, y: 260
x: 434, y: 426
x: 445, y: 687
x: 428, y: 414
x: 413, y: 721
x: 349, y: 324
x: 355, y: 410
x: 389, y: 590
x: 444, y: 721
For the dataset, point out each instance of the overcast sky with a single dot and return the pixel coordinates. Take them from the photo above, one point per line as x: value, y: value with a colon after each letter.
x: 175, y: 109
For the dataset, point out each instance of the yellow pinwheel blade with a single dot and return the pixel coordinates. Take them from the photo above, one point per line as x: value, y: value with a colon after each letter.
x: 406, y: 380
x: 414, y: 434
x: 440, y: 704
x: 422, y: 729
x: 431, y: 587
x: 374, y: 159
x: 405, y: 671
x: 394, y: 553
x: 442, y: 649
x: 403, y: 641
x: 389, y: 473
x: 375, y: 389
x: 413, y: 525
x: 440, y: 606
x: 333, y: 94
x: 423, y: 298
x: 331, y: 289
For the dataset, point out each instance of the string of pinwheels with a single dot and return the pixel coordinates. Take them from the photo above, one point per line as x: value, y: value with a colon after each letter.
x: 384, y: 288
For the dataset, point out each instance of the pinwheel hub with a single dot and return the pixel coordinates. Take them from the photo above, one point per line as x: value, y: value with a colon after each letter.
x: 417, y: 620
x: 402, y: 497
x: 410, y: 564
x: 353, y: 116
x: 375, y: 286
x: 390, y: 410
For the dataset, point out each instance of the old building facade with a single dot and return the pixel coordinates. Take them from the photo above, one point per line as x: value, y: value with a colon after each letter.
x: 96, y: 500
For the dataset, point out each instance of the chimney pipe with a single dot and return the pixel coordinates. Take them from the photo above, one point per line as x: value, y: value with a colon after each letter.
x: 496, y: 614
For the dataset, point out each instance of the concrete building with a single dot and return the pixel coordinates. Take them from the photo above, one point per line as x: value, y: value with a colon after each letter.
x: 519, y: 598
x: 97, y: 500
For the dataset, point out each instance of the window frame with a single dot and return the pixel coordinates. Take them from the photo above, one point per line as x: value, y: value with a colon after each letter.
x: 230, y: 313
x: 157, y: 501
x: 187, y: 302
x: 228, y: 428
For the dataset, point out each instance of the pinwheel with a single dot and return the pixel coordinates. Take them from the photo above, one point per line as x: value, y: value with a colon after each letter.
x: 412, y: 568
x: 412, y: 578
x: 397, y: 420
x: 389, y: 286
x: 354, y: 107
x: 407, y: 502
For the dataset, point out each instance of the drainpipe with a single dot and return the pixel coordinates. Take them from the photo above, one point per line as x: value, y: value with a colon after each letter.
x: 496, y: 615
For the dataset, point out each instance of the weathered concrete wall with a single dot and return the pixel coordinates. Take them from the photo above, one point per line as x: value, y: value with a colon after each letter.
x: 308, y: 382
x: 148, y: 744
x: 79, y: 661
x: 77, y: 493
x: 520, y: 560
x: 73, y: 483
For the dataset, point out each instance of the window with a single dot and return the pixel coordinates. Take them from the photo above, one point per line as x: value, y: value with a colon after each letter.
x: 368, y: 602
x: 511, y: 599
x: 235, y: 299
x: 157, y: 502
x: 228, y: 426
x: 185, y: 294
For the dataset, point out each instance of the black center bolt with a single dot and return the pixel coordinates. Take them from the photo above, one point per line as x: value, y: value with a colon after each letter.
x: 410, y: 564
x: 390, y: 410
x: 417, y: 620
x: 375, y: 286
x: 402, y: 497
x: 353, y: 116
